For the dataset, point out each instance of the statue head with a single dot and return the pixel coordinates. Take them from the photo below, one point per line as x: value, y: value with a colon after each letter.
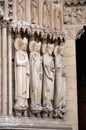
x: 61, y: 50
x: 37, y: 46
x: 31, y: 45
x: 24, y: 44
x: 56, y: 50
x: 21, y: 44
x: 50, y: 48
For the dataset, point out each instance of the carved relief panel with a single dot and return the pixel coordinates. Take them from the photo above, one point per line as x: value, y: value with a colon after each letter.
x: 73, y: 14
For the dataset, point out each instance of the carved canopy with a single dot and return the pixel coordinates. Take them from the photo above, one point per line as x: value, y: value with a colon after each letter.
x: 17, y: 26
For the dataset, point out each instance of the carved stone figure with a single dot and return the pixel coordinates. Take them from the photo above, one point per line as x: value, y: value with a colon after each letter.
x: 60, y: 84
x: 22, y: 75
x: 57, y: 16
x: 36, y: 77
x: 67, y: 15
x: 1, y: 13
x: 48, y: 81
x: 74, y: 15
x: 46, y: 13
x: 34, y: 14
x: 21, y: 9
x: 79, y: 15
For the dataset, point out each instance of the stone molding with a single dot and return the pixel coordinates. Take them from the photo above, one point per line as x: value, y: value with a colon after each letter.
x: 32, y: 124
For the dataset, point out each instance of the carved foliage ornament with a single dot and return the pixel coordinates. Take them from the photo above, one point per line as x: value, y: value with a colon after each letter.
x: 74, y: 14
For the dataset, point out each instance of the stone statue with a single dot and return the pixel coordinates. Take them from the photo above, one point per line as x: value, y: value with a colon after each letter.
x: 22, y: 75
x: 34, y: 14
x: 60, y: 84
x: 79, y: 15
x: 46, y: 13
x: 67, y: 15
x: 57, y: 17
x: 21, y: 9
x: 48, y: 81
x: 1, y: 13
x: 36, y: 77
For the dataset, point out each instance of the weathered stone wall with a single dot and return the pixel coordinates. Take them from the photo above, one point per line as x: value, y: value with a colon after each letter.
x: 70, y: 58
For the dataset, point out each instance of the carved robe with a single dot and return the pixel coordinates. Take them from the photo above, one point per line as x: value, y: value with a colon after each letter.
x: 60, y: 84
x: 22, y: 72
x: 36, y: 80
x: 46, y: 14
x: 48, y: 82
x: 57, y: 15
x: 21, y: 9
x: 34, y: 15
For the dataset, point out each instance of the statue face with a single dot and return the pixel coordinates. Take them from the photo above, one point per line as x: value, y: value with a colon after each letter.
x: 24, y: 46
x: 50, y: 50
x: 61, y: 51
x: 56, y: 50
x: 37, y: 48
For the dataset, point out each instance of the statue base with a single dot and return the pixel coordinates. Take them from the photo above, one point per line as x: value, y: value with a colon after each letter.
x: 28, y: 123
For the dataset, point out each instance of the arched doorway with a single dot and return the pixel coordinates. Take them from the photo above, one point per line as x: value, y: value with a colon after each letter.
x: 81, y: 77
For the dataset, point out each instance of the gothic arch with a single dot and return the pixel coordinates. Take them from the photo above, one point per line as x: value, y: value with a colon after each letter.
x: 80, y: 32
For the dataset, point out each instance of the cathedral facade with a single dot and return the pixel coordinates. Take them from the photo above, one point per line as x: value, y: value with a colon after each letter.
x: 38, y: 63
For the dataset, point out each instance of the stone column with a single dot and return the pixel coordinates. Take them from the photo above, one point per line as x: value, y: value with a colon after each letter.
x: 40, y: 11
x: 10, y: 72
x: 28, y: 10
x: 4, y: 70
x: 0, y: 70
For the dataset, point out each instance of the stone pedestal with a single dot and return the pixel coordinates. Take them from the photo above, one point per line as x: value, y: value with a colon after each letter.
x: 26, y: 123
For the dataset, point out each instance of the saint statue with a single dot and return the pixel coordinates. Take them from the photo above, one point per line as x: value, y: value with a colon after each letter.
x: 57, y: 16
x: 46, y: 13
x: 21, y: 9
x: 1, y: 13
x: 48, y: 81
x: 22, y: 75
x: 34, y: 14
x: 36, y: 77
x: 60, y: 83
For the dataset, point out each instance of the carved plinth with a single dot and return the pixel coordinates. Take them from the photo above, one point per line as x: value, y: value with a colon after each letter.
x: 32, y: 124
